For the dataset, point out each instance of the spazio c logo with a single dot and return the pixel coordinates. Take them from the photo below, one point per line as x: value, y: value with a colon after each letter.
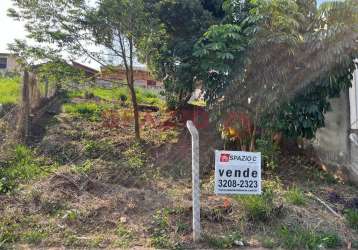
x: 224, y: 157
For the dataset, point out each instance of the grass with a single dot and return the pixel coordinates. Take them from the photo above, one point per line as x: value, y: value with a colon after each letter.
x: 302, y: 238
x: 160, y: 234
x: 21, y: 166
x: 224, y: 241
x: 125, y: 236
x: 295, y: 196
x: 257, y: 207
x: 351, y: 216
x: 144, y: 96
x: 89, y: 111
x: 9, y: 90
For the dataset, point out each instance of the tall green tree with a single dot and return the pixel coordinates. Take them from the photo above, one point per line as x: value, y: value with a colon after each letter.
x: 167, y: 49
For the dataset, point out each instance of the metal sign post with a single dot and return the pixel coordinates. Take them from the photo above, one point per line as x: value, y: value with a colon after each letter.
x: 195, y: 180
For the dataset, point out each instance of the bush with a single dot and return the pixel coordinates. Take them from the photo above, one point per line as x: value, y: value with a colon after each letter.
x: 295, y: 196
x: 22, y: 166
x: 258, y: 207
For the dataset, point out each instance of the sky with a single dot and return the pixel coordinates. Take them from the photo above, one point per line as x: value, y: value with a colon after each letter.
x: 10, y: 29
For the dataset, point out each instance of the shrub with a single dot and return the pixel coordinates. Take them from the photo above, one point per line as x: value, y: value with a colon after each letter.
x: 301, y: 238
x: 258, y: 207
x: 351, y: 216
x: 295, y: 196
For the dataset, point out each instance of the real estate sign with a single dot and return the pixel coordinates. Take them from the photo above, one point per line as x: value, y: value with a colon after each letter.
x: 237, y: 172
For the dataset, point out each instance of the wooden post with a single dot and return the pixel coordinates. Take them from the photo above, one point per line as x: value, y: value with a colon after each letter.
x: 24, y: 119
x: 195, y: 180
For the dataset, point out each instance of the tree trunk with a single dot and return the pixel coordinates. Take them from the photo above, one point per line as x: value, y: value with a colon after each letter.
x: 135, y: 110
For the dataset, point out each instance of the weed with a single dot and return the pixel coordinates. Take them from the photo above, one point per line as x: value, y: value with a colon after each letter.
x: 34, y: 236
x: 351, y: 216
x: 269, y: 150
x: 160, y: 235
x: 125, y: 236
x: 221, y: 242
x: 8, y: 232
x: 301, y: 238
x: 95, y: 149
x: 22, y: 166
x: 135, y: 156
x: 83, y: 168
x: 258, y: 208
x: 295, y: 196
x: 268, y: 242
x: 90, y: 111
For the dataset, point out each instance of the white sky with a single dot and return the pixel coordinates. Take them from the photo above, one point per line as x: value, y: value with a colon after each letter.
x: 9, y: 28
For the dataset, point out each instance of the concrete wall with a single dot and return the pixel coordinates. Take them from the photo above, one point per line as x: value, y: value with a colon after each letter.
x: 12, y: 65
x: 332, y: 143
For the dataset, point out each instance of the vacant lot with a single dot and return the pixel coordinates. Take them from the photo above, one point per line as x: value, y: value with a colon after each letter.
x: 88, y: 184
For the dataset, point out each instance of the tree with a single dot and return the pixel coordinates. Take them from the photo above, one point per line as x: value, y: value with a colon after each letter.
x: 167, y: 49
x: 281, y: 54
x: 73, y: 27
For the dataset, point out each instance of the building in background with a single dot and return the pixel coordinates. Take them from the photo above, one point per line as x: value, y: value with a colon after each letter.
x: 8, y: 63
x: 142, y: 77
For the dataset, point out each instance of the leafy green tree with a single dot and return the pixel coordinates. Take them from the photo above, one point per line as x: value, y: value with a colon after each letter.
x: 282, y: 60
x: 167, y: 49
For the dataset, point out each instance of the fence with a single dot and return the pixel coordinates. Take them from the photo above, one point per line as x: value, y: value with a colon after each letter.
x: 15, y: 125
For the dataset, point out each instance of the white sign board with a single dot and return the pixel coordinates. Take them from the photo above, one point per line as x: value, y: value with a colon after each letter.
x: 237, y: 172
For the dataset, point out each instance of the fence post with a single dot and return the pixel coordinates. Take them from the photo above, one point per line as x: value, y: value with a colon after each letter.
x: 195, y: 180
x: 24, y: 119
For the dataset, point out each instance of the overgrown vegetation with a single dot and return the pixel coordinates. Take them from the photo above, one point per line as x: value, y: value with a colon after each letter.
x: 352, y: 217
x: 21, y: 166
x: 298, y: 237
x: 295, y: 196
x: 90, y: 110
x: 10, y: 90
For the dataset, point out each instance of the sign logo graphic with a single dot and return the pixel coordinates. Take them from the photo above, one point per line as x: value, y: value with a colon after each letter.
x: 224, y: 157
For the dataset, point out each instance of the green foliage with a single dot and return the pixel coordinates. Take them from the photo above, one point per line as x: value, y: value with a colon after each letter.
x: 135, y: 156
x: 295, y: 196
x: 34, y: 236
x: 175, y: 28
x: 351, y: 216
x: 257, y: 207
x: 160, y: 231
x: 125, y: 236
x: 89, y: 110
x: 224, y: 241
x: 269, y: 151
x: 10, y: 90
x: 301, y: 238
x: 22, y: 166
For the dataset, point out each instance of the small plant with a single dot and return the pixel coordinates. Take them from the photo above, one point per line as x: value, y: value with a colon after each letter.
x: 258, y: 208
x: 225, y: 241
x: 269, y: 150
x: 123, y: 98
x: 125, y: 236
x: 21, y: 166
x: 89, y: 111
x: 135, y: 156
x: 301, y: 238
x: 160, y: 230
x: 295, y: 196
x: 351, y: 216
x: 34, y: 236
x: 83, y: 168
